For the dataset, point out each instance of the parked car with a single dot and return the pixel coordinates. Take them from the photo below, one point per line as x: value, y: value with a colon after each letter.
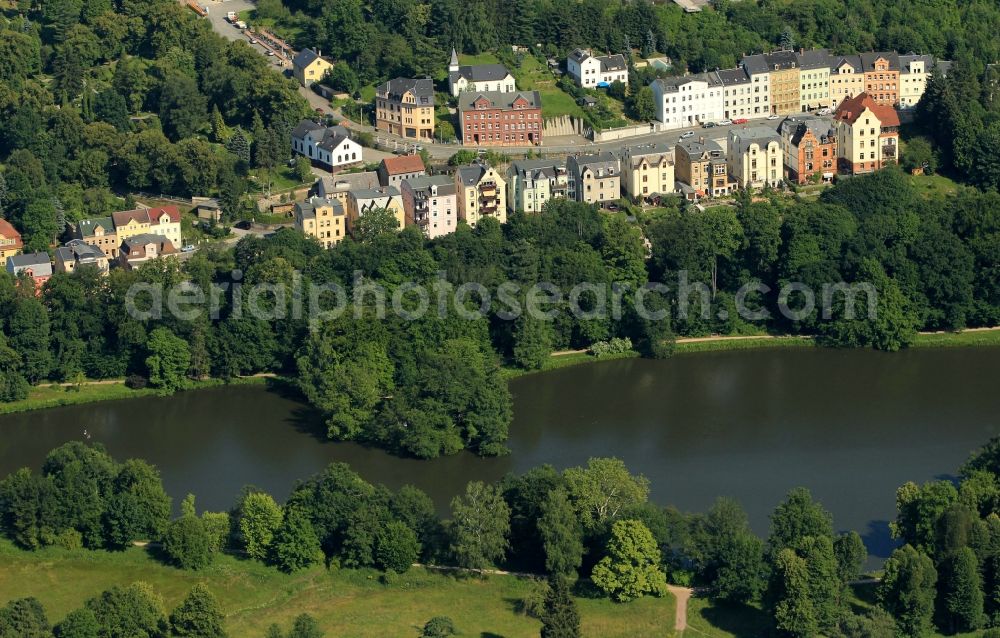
x: 725, y: 122
x: 188, y: 249
x: 773, y: 117
x: 741, y: 120
x: 709, y: 125
x: 823, y: 112
x: 244, y: 225
x: 687, y: 135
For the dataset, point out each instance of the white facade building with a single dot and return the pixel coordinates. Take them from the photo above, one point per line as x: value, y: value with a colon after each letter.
x: 329, y: 146
x: 689, y: 101
x: 591, y: 71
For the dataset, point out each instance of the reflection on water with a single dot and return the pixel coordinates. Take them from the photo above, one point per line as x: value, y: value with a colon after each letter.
x: 850, y: 425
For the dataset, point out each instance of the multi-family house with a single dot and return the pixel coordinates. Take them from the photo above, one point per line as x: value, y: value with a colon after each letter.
x: 688, y: 101
x: 814, y: 79
x: 77, y: 253
x: 914, y: 72
x: 405, y: 107
x: 867, y: 134
x: 99, y: 233
x: 323, y: 219
x: 10, y: 240
x: 329, y: 146
x: 139, y: 249
x: 165, y: 221
x: 809, y: 147
x: 701, y: 169
x: 431, y: 204
x: 847, y: 78
x: 753, y: 156
x: 481, y: 193
x: 533, y: 183
x: 755, y: 66
x: 478, y: 77
x: 310, y: 66
x: 648, y: 170
x: 340, y: 185
x: 594, y: 178
x: 36, y: 266
x: 881, y: 76
x: 393, y: 170
x: 784, y: 82
x: 592, y: 71
x: 362, y: 200
x: 737, y: 94
x: 489, y: 118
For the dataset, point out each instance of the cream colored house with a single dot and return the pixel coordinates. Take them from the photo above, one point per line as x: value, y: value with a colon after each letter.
x: 165, y: 221
x: 10, y: 241
x: 754, y: 157
x: 323, y: 219
x: 533, y: 183
x: 362, y: 200
x: 847, y: 78
x: 481, y: 193
x: 867, y: 134
x: 594, y: 178
x: 647, y: 170
x: 405, y: 107
x: 814, y: 79
x: 309, y: 66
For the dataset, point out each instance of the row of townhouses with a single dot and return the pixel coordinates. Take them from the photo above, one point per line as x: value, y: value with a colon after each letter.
x: 782, y: 83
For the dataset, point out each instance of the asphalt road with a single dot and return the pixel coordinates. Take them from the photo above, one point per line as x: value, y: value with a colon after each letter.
x: 551, y: 146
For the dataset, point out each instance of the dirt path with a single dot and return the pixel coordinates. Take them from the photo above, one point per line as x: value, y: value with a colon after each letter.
x: 681, y: 595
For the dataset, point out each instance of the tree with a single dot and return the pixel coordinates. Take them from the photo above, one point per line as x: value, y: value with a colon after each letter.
x: 631, y: 567
x: 126, y: 612
x: 792, y: 607
x: 13, y: 385
x: 79, y: 623
x: 602, y: 490
x: 438, y: 627
x: 532, y: 342
x: 920, y: 155
x: 907, y: 590
x: 239, y: 145
x: 396, y: 547
x: 259, y: 519
x: 188, y: 543
x: 641, y: 106
x: 962, y: 592
x: 731, y: 560
x: 295, y: 544
x: 851, y: 555
x: 168, y: 360
x: 305, y: 626
x: 561, y: 534
x: 480, y: 526
x: 374, y: 223
x: 182, y: 107
x: 198, y: 615
x: 24, y: 618
x: 560, y: 616
x: 797, y: 517
x: 303, y: 170
x: 219, y: 131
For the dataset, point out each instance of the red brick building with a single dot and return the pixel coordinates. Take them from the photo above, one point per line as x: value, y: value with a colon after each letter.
x: 492, y: 118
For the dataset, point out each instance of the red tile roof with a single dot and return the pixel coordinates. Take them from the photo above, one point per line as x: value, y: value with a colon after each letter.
x: 9, y: 232
x: 403, y: 164
x: 123, y: 217
x: 156, y: 213
x: 851, y: 109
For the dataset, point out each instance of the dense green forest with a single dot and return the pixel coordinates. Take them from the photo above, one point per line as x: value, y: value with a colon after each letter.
x: 592, y: 522
x: 386, y: 38
x: 100, y: 98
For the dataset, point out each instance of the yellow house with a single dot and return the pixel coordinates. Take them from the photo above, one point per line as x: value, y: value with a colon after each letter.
x: 867, y: 134
x: 405, y: 107
x: 129, y: 223
x: 323, y: 219
x: 648, y: 170
x: 165, y: 221
x: 847, y: 79
x: 785, y: 85
x: 309, y: 66
x: 10, y: 241
x: 481, y: 193
x: 362, y: 200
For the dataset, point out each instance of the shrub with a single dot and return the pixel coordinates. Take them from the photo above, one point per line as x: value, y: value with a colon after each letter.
x: 136, y: 382
x: 439, y: 627
x: 615, y: 346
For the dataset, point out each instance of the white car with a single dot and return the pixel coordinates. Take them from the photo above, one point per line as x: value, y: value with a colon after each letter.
x: 725, y: 122
x: 687, y: 135
x: 188, y: 249
x: 773, y: 117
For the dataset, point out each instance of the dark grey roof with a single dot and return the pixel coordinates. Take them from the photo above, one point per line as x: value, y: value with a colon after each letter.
x: 906, y: 60
x: 422, y: 89
x: 755, y: 64
x: 146, y: 238
x: 671, y: 84
x: 814, y: 59
x: 537, y: 169
x: 424, y: 183
x: 853, y: 60
x: 698, y: 148
x: 635, y: 154
x: 375, y: 193
x: 304, y: 58
x: 604, y: 159
x: 346, y: 181
x: 614, y: 62
x: 480, y: 73
x: 305, y: 127
x: 868, y: 59
x: 742, y: 138
x: 307, y: 209
x: 795, y: 128
x: 781, y: 60
x: 470, y: 175
x: 579, y: 55
x: 334, y: 137
x: 943, y: 67
x: 733, y: 77
x: 39, y: 263
x: 79, y: 250
x: 498, y: 99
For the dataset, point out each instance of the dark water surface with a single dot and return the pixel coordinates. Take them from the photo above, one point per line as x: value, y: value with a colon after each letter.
x: 850, y: 425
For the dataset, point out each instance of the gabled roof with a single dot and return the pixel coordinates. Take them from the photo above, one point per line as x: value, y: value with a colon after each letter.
x: 425, y: 182
x: 421, y: 88
x: 733, y: 77
x: 537, y: 168
x: 651, y: 153
x: 78, y: 250
x: 163, y: 245
x: 796, y: 127
x: 123, y: 217
x: 868, y: 59
x: 171, y: 211
x: 39, y: 264
x: 851, y: 109
x: 615, y: 62
x: 480, y: 73
x: 814, y: 59
x: 755, y: 64
x: 498, y: 99
x: 403, y: 165
x: 673, y: 84
x: 906, y: 61
x: 595, y: 161
x: 375, y: 193
x: 9, y: 232
x: 305, y: 57
x: 305, y: 127
x: 334, y: 137
x: 741, y: 139
x: 307, y: 209
x: 781, y: 60
x: 87, y: 227
x: 854, y: 61
x: 345, y: 182
x: 471, y: 175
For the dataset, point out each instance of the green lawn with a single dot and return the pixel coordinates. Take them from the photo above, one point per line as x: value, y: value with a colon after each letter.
x: 481, y: 58
x: 934, y: 186
x: 345, y: 602
x: 967, y: 338
x: 532, y: 75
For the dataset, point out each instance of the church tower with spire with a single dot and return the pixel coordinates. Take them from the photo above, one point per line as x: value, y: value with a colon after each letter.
x: 453, y: 66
